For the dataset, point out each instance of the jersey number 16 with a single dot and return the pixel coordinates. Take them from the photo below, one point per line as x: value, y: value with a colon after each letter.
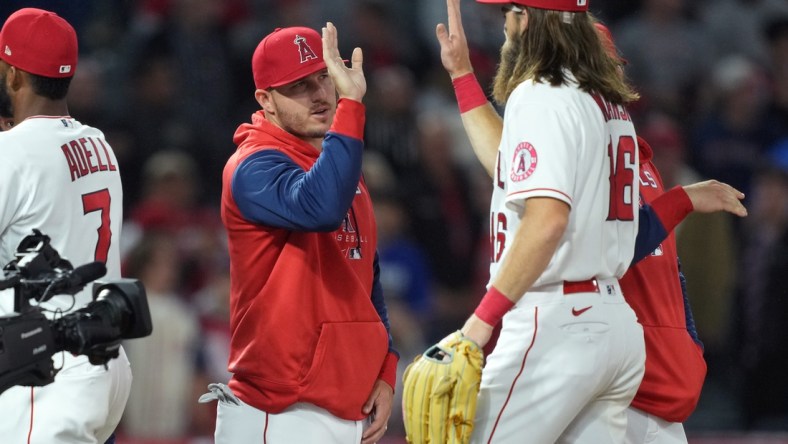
x: 622, y: 176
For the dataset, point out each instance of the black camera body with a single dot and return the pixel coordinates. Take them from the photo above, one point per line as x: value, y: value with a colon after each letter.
x: 28, y: 339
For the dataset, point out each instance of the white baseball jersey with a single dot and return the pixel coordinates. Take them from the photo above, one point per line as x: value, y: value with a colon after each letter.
x: 62, y: 177
x: 568, y: 361
x: 555, y: 145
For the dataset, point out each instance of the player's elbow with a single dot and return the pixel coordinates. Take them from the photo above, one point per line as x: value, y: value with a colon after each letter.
x: 549, y: 216
x: 328, y: 220
x: 554, y: 227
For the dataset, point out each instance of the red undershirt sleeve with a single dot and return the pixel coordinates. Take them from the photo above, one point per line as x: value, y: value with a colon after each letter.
x: 349, y: 119
x: 672, y: 207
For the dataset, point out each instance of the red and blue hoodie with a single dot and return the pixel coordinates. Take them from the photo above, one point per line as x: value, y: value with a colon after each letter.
x: 655, y: 289
x: 308, y: 319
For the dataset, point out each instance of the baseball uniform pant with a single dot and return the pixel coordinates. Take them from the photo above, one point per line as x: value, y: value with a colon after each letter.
x: 238, y: 422
x: 82, y: 406
x: 565, y: 369
x: 644, y: 428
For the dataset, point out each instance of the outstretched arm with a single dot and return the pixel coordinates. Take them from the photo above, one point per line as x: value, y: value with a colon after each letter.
x: 482, y: 122
x: 657, y: 220
x: 704, y: 197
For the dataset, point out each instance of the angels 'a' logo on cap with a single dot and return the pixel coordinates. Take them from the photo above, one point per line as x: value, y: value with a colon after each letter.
x: 7, y: 50
x: 304, y: 50
x: 524, y: 162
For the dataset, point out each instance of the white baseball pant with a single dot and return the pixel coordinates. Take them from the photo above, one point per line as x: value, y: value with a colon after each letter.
x: 565, y: 368
x: 83, y: 406
x: 644, y: 428
x: 238, y: 422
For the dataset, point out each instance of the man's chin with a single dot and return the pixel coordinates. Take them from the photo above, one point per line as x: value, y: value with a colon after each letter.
x: 316, y: 133
x: 320, y: 124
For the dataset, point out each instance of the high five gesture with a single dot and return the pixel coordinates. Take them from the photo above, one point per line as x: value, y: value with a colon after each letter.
x: 454, y: 46
x: 349, y: 82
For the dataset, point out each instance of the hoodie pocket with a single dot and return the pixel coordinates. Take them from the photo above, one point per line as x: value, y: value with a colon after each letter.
x: 347, y: 361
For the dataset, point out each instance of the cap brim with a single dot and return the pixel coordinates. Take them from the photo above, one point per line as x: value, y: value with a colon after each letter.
x: 300, y: 73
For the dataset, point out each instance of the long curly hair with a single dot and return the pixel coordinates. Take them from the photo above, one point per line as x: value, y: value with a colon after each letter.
x: 553, y: 44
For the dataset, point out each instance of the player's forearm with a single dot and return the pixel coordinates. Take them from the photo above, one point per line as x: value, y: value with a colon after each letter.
x: 484, y: 127
x: 533, y: 246
x: 672, y: 207
x: 482, y: 123
x: 314, y: 200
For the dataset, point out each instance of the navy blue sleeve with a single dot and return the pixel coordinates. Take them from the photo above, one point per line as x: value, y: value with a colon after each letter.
x: 691, y: 329
x: 379, y: 303
x: 651, y: 233
x: 270, y: 189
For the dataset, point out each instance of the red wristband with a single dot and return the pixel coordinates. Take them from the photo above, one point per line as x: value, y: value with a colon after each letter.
x: 469, y: 92
x: 493, y: 306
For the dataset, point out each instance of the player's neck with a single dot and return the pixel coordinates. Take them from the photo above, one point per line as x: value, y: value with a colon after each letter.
x: 317, y: 143
x: 39, y: 106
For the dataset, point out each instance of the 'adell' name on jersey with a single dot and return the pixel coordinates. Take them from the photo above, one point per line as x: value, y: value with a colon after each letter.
x: 86, y: 155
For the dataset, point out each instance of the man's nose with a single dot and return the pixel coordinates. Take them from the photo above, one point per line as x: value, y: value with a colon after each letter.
x: 319, y: 92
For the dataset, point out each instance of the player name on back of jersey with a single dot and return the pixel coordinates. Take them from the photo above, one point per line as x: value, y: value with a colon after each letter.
x: 87, y: 155
x: 611, y: 111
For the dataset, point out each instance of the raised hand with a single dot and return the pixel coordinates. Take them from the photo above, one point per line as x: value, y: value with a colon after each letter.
x: 349, y: 82
x: 454, y: 46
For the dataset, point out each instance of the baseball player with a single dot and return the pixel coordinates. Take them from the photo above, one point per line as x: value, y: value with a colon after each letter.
x: 61, y: 177
x: 311, y: 351
x: 484, y: 125
x: 656, y: 290
x: 564, y: 217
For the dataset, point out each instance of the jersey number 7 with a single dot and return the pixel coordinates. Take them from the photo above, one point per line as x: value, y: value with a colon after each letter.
x: 99, y: 201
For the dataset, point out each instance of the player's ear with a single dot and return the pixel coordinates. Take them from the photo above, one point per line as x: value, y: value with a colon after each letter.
x: 265, y: 99
x: 15, y: 78
x: 10, y: 72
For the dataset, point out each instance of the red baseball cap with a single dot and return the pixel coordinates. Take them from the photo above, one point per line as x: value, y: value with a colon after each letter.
x: 554, y: 5
x: 286, y: 55
x: 39, y: 42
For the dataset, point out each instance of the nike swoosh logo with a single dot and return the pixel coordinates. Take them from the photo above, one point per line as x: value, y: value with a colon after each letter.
x: 576, y: 312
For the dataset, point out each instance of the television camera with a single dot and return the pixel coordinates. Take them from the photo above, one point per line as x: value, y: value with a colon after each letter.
x: 28, y: 339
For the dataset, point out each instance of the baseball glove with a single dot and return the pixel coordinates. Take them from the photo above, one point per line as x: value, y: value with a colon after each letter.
x: 440, y: 390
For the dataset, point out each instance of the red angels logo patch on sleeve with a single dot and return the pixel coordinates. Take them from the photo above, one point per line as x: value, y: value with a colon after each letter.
x: 524, y: 162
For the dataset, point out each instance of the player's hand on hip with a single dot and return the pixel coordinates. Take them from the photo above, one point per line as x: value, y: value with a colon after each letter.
x: 378, y: 405
x: 349, y: 82
x: 454, y: 46
x: 477, y: 331
x: 712, y: 195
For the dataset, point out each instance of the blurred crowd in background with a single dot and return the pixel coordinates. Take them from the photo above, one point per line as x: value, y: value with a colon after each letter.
x: 168, y: 81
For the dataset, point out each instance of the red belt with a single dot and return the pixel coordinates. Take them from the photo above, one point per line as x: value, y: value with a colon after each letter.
x: 589, y: 286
